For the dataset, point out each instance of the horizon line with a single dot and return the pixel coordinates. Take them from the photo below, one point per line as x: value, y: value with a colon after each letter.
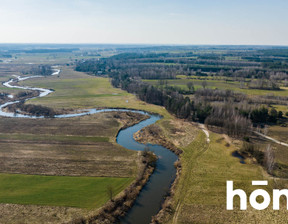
x: 143, y: 44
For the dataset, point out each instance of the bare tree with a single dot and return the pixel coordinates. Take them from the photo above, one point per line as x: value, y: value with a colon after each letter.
x: 242, y: 85
x: 204, y: 84
x: 110, y: 191
x: 269, y: 159
x: 265, y: 130
x: 190, y: 86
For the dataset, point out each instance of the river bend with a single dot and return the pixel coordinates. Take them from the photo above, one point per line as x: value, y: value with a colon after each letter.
x: 149, y: 201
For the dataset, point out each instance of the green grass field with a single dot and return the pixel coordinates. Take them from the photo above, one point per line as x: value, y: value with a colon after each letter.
x: 71, y: 144
x: 220, y: 84
x: 200, y: 194
x: 77, y: 90
x: 205, y: 170
x: 279, y: 133
x: 82, y: 192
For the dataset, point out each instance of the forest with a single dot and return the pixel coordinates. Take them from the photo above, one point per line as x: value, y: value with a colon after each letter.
x: 44, y: 70
x: 230, y: 110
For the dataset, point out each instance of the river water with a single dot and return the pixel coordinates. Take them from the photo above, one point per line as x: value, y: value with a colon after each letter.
x: 149, y: 201
x: 152, y: 195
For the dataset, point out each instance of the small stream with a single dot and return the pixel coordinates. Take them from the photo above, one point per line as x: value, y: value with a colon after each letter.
x: 239, y: 156
x: 149, y: 201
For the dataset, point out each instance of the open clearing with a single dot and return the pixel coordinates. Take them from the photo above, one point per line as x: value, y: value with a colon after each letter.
x: 76, y: 90
x: 220, y: 84
x: 81, y: 192
x: 43, y: 161
x: 74, y: 147
x: 65, y: 162
x: 80, y: 154
x: 206, y: 168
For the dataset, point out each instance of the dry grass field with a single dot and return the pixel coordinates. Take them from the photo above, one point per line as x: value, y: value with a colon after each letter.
x: 85, y: 146
x: 205, y: 170
x: 74, y: 147
x: 64, y: 162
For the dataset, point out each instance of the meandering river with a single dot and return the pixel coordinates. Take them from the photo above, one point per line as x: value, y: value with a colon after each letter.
x: 149, y: 201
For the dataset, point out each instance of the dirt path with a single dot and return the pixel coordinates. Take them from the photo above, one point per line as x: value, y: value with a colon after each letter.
x: 205, y: 130
x: 272, y: 139
x: 190, y: 167
x: 175, y: 217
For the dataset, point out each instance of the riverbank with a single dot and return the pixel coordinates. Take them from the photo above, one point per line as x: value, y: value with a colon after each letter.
x: 173, y: 134
x: 117, y: 207
x: 200, y: 195
x: 125, y: 138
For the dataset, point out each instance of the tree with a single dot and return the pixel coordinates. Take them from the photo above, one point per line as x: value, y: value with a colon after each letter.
x: 110, y: 192
x: 273, y: 115
x: 190, y: 86
x: 265, y: 130
x: 269, y: 159
x: 204, y: 84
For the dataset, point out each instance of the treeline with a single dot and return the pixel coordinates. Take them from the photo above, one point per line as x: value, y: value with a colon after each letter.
x: 43, y: 70
x: 275, y: 52
x: 127, y: 74
x: 230, y: 120
x: 262, y: 115
x: 3, y: 97
x: 264, y: 84
x: 276, y: 65
x: 26, y: 94
x: 163, y: 84
x: 134, y: 64
x: 131, y: 68
x: 5, y: 55
x: 45, y: 50
x: 173, y: 101
x: 31, y: 109
x: 255, y: 74
x: 240, y: 104
x: 160, y: 66
x: 226, y: 117
x: 219, y: 95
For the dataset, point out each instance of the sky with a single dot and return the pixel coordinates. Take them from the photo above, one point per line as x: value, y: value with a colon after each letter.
x: 185, y: 22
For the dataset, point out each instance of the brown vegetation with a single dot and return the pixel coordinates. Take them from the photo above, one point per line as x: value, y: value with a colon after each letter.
x: 35, y: 214
x: 231, y: 122
x: 181, y: 133
x: 153, y: 134
x: 26, y: 94
x: 75, y: 146
x: 31, y: 109
x: 118, y: 206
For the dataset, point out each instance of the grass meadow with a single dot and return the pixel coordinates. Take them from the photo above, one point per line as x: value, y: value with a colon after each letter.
x: 76, y: 90
x: 81, y: 192
x: 220, y: 84
x: 46, y: 157
x: 205, y: 170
